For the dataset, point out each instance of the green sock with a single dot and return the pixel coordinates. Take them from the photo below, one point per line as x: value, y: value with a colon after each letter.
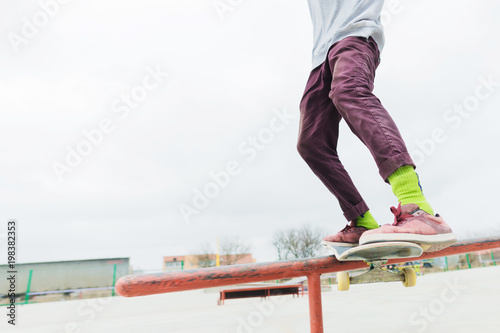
x: 406, y: 186
x: 367, y: 221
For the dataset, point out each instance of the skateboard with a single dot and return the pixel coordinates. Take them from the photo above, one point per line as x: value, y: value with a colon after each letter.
x: 376, y: 255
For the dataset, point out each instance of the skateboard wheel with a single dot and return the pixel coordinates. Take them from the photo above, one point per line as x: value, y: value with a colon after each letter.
x: 343, y: 281
x: 410, y: 277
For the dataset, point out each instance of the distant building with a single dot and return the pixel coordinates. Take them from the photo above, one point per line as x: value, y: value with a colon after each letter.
x: 477, y: 258
x: 65, y: 275
x: 489, y: 256
x: 174, y: 263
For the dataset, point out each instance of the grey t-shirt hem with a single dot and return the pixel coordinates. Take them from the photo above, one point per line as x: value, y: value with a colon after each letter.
x: 319, y: 55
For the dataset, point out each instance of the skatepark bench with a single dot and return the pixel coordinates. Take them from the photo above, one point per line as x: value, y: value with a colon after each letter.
x: 264, y: 291
x: 312, y: 268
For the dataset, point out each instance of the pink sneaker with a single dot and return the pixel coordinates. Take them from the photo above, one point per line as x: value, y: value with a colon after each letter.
x: 411, y: 224
x: 347, y: 237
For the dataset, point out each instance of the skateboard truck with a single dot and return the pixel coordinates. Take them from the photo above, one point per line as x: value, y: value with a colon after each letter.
x: 376, y: 255
x: 377, y: 274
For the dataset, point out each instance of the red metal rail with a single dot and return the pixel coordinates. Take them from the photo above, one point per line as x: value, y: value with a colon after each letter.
x: 141, y: 285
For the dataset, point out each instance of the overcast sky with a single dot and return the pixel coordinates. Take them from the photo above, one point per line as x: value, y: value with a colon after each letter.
x: 114, y: 114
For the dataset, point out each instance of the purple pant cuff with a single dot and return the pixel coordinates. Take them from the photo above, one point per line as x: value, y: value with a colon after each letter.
x: 394, y: 163
x: 356, y: 211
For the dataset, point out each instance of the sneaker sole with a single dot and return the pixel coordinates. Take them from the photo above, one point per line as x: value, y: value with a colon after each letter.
x: 430, y: 243
x: 334, y: 244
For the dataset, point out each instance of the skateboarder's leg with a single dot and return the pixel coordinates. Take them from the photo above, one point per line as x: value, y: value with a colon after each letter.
x: 353, y: 62
x: 317, y: 144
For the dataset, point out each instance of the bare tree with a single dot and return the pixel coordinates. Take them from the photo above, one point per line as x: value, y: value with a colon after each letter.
x: 303, y: 242
x: 205, y: 258
x: 280, y: 244
x: 310, y: 241
x: 232, y: 250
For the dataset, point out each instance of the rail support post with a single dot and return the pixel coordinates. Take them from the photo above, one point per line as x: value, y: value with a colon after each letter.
x: 315, y: 309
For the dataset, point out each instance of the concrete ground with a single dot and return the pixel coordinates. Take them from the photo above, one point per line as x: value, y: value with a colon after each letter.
x: 456, y: 301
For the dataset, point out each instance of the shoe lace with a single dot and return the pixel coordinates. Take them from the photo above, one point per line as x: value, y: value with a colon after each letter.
x: 347, y: 228
x: 399, y: 217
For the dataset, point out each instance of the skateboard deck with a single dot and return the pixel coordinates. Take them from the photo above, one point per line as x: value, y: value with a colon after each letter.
x: 376, y: 251
x: 376, y: 255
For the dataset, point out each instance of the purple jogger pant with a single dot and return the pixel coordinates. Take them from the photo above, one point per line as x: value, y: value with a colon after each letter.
x: 342, y: 88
